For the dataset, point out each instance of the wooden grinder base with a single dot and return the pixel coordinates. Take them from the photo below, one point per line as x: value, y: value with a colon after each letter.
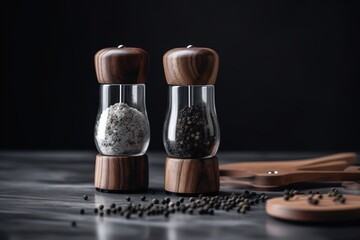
x: 121, y: 174
x: 192, y: 176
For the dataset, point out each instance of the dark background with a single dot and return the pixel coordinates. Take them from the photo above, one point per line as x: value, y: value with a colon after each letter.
x: 288, y: 77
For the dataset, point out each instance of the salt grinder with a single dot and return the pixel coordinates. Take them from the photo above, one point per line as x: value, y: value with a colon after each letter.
x: 191, y: 132
x: 122, y: 131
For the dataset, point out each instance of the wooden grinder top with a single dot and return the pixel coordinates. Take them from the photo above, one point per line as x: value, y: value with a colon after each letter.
x: 191, y: 66
x: 122, y: 65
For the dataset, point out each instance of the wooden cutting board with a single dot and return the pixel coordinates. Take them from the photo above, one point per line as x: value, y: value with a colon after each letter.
x: 270, y: 175
x: 353, y: 185
x: 298, y: 209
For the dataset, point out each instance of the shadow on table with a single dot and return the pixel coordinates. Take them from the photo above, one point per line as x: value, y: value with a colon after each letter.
x: 302, y: 230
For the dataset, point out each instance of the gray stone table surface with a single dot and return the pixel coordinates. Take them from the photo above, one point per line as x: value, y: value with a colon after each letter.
x: 41, y: 194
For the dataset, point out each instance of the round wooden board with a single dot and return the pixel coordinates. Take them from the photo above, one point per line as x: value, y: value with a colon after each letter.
x: 298, y: 209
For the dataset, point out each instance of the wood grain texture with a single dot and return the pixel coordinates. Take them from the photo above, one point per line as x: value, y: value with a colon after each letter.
x: 298, y: 209
x: 121, y: 65
x: 192, y: 176
x: 352, y: 185
x: 255, y: 174
x: 114, y: 173
x: 191, y: 66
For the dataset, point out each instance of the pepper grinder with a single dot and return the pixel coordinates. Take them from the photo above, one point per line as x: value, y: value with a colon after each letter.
x: 191, y: 132
x: 122, y: 132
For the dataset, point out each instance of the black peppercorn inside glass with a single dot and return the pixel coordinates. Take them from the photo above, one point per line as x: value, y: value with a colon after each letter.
x: 191, y: 128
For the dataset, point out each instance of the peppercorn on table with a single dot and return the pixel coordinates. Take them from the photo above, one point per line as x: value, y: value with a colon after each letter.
x: 50, y: 195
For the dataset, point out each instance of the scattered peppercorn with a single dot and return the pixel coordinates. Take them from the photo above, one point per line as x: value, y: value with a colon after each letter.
x: 85, y: 197
x: 73, y: 223
x: 337, y: 197
x: 203, y: 205
x: 287, y: 195
x: 312, y: 200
